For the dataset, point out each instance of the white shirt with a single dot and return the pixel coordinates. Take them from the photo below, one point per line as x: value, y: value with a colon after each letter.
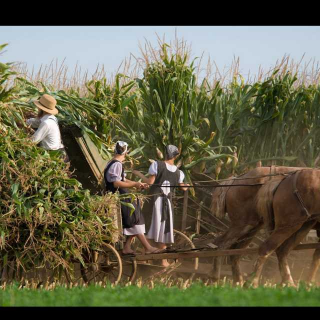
x: 153, y: 170
x: 114, y: 172
x: 48, y: 133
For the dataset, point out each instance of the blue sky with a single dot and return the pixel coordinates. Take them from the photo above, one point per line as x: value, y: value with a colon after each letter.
x: 109, y: 45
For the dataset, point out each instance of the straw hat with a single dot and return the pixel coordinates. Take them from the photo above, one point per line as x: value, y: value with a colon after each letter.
x: 47, y: 104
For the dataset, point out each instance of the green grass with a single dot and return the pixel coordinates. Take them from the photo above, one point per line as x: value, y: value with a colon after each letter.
x: 195, y: 295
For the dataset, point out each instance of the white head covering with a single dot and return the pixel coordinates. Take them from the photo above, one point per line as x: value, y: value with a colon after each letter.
x: 121, y: 144
x: 172, y: 151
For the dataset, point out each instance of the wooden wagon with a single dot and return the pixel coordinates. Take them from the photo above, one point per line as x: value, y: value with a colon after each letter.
x: 108, y: 264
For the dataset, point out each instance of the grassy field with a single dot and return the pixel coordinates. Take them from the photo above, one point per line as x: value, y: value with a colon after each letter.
x: 195, y: 295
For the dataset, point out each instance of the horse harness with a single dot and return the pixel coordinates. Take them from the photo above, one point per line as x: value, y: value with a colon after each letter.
x: 297, y: 194
x: 273, y: 171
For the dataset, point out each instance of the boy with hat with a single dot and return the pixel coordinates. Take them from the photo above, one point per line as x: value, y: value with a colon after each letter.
x: 48, y: 133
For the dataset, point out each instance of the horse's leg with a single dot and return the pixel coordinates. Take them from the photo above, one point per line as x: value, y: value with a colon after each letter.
x: 243, y: 242
x: 220, y: 239
x: 314, y: 266
x: 283, y: 251
x: 315, y: 263
x: 280, y: 235
x: 230, y: 237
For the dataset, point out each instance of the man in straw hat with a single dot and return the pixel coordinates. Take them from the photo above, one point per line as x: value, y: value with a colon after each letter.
x: 48, y: 133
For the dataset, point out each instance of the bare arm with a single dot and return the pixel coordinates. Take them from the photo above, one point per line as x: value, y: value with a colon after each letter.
x: 149, y: 180
x: 129, y: 184
x: 182, y: 186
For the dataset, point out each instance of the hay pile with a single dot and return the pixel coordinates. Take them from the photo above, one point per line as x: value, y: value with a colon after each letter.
x: 45, y: 215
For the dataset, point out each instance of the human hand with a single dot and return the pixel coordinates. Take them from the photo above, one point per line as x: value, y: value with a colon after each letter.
x: 29, y: 114
x: 138, y: 185
x: 145, y: 185
x: 141, y: 186
x: 19, y: 125
x: 184, y: 186
x: 29, y: 130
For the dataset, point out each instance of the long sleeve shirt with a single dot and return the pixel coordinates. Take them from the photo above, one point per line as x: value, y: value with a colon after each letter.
x: 48, y: 133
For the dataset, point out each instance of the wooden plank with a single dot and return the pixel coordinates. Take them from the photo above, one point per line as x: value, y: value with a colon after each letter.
x: 198, y: 223
x: 307, y: 246
x: 100, y: 162
x: 205, y: 228
x: 214, y: 253
x: 194, y: 254
x: 185, y: 210
x: 92, y: 164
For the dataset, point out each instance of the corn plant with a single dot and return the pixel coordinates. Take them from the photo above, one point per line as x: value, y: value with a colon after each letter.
x: 46, y: 218
x: 284, y: 123
x: 45, y: 215
x: 171, y: 112
x: 92, y: 117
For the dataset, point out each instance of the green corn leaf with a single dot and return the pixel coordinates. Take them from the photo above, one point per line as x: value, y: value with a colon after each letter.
x: 130, y: 205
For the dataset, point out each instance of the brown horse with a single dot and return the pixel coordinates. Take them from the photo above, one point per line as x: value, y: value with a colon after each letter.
x: 296, y: 210
x: 240, y: 205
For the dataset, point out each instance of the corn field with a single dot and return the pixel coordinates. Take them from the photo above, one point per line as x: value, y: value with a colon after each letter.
x: 221, y: 128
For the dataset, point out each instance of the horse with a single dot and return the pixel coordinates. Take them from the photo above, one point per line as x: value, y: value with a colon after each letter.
x: 241, y: 206
x: 295, y: 211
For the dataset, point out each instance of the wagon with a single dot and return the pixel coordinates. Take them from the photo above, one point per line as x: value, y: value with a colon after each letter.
x: 106, y: 264
x: 205, y: 252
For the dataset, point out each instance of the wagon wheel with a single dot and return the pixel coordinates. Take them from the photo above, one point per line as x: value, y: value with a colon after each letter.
x: 49, y: 275
x: 34, y: 278
x: 181, y: 242
x: 103, y: 266
x: 129, y: 270
x: 12, y: 273
x: 7, y: 273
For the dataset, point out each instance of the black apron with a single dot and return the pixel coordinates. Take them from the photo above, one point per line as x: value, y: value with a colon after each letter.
x: 128, y: 220
x: 163, y: 175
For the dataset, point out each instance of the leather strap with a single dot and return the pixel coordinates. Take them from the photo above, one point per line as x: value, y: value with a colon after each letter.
x: 272, y: 171
x: 297, y: 194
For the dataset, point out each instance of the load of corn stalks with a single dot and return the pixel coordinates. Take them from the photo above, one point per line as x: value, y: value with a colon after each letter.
x: 46, y: 217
